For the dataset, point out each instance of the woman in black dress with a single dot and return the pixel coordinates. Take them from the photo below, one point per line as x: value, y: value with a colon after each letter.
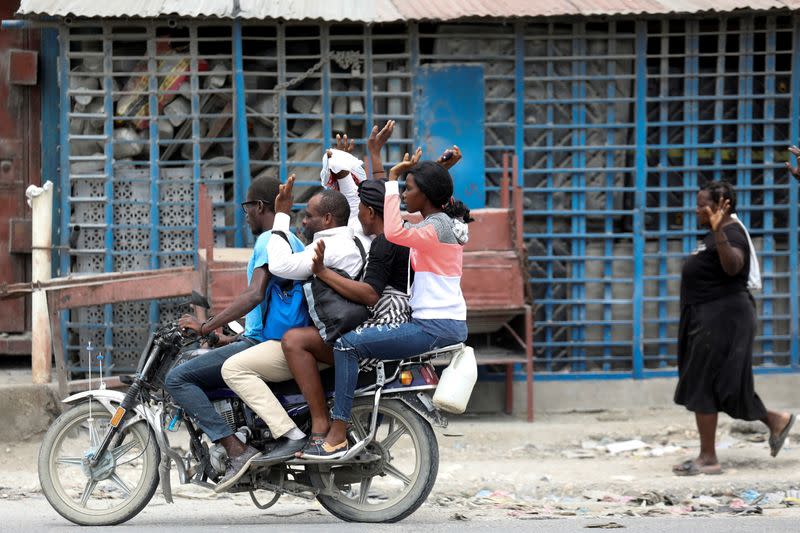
x: 716, y: 332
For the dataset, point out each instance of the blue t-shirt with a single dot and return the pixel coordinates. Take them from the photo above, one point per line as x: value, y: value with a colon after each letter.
x: 254, y: 321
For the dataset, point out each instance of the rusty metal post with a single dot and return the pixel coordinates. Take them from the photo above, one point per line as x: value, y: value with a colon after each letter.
x: 529, y: 358
x: 504, y: 184
x: 519, y: 216
x: 41, y: 199
x: 205, y: 223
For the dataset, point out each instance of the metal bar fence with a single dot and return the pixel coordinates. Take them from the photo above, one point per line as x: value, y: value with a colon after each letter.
x: 616, y: 123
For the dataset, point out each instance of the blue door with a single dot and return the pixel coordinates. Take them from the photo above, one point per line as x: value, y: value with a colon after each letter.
x: 449, y: 106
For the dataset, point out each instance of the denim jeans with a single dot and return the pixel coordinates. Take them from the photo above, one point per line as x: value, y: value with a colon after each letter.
x: 188, y: 382
x: 395, y: 341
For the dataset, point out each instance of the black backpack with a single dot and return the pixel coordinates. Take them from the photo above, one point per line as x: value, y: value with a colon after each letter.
x: 333, y: 314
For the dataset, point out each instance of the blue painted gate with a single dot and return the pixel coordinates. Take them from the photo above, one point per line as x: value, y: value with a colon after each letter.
x: 450, y: 110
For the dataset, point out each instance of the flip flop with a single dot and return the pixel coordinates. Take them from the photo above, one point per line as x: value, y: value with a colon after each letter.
x: 691, y: 468
x: 776, y: 443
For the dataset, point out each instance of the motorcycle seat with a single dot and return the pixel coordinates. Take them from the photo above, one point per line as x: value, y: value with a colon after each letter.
x: 328, y: 376
x: 366, y: 376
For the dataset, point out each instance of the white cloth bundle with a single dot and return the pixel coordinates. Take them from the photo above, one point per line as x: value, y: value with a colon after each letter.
x: 754, y: 277
x: 338, y: 161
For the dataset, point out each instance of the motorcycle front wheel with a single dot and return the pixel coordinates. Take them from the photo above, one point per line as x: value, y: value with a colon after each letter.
x: 398, y: 482
x: 113, y: 491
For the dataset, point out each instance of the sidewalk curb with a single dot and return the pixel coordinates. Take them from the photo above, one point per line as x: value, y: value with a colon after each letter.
x: 27, y: 410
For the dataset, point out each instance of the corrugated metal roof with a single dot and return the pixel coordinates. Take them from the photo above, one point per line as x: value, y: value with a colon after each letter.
x: 383, y: 10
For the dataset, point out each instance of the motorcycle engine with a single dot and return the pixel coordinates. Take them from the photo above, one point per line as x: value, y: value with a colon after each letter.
x: 230, y: 409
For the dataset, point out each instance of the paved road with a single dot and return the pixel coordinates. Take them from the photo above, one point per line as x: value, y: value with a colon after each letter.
x: 34, y: 515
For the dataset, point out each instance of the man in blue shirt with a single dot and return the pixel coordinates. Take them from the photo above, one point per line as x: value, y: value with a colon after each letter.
x: 188, y: 382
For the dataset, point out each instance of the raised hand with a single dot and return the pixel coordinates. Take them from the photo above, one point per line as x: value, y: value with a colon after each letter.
x: 715, y: 218
x: 450, y: 157
x: 405, y: 165
x: 795, y: 171
x: 377, y: 139
x: 343, y: 144
x: 318, y: 263
x: 283, y: 202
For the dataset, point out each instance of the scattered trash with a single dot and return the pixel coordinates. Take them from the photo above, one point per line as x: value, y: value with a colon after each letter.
x: 606, y: 525
x: 737, y: 503
x: 750, y: 496
x: 748, y: 427
x: 623, y: 478
x: 705, y: 501
x: 459, y: 517
x: 748, y: 510
x: 602, y: 496
x: 664, y: 450
x: 625, y: 446
x: 579, y: 454
x: 653, y: 498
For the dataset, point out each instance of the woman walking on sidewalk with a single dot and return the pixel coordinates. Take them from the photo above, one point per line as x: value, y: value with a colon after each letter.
x: 717, y: 329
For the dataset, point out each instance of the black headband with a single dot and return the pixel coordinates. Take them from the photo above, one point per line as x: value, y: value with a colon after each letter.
x: 371, y: 193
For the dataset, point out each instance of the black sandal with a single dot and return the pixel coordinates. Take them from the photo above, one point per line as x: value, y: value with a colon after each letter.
x: 776, y: 441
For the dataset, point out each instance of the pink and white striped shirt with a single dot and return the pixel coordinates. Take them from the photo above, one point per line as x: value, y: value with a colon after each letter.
x: 436, y: 246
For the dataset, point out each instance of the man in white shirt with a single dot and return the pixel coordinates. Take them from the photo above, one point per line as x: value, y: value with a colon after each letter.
x: 245, y: 373
x: 326, y: 218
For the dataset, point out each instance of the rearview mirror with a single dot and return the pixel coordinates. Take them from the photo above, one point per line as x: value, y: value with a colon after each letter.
x: 199, y: 300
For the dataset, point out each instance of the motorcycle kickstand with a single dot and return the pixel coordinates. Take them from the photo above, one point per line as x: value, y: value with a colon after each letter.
x: 164, y: 472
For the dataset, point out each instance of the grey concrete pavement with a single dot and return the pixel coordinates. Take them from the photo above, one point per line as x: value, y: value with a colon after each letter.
x: 34, y: 515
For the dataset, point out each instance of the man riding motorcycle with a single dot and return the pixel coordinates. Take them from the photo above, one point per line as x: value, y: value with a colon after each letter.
x: 188, y: 383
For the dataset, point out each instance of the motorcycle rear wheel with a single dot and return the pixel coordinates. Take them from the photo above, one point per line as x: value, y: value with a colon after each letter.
x: 394, y: 487
x: 114, y: 491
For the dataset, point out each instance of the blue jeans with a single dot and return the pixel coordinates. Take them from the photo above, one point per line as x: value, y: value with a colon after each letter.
x: 188, y: 382
x: 396, y: 341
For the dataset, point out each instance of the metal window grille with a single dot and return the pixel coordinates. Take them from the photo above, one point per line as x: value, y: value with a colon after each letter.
x: 146, y: 117
x: 579, y: 183
x: 616, y: 122
x: 718, y: 108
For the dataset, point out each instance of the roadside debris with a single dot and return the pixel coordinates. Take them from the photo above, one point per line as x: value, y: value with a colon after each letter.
x: 642, y: 504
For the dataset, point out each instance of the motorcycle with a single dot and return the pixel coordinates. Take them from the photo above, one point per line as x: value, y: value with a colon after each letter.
x: 102, y: 460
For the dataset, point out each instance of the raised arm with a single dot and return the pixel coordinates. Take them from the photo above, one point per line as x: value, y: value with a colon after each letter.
x: 375, y: 143
x: 344, y: 179
x: 393, y: 227
x: 731, y: 258
x: 282, y: 262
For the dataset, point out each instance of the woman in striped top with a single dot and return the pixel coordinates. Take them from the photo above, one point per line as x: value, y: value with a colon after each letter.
x: 439, y: 312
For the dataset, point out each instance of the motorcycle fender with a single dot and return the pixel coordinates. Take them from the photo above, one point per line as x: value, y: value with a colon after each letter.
x: 110, y: 399
x: 422, y: 404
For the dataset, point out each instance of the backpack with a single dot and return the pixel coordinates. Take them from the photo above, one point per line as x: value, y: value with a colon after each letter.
x: 333, y: 314
x: 286, y: 307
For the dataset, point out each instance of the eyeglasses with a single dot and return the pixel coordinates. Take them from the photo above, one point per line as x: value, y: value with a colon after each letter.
x: 251, y: 202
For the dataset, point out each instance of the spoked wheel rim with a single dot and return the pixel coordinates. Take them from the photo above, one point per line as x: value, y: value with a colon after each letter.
x: 119, y: 477
x: 382, y: 483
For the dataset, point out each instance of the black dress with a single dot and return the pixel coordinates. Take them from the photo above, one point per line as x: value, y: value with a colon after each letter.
x: 716, y: 333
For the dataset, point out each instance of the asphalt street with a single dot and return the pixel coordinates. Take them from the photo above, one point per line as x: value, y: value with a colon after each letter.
x: 34, y: 515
